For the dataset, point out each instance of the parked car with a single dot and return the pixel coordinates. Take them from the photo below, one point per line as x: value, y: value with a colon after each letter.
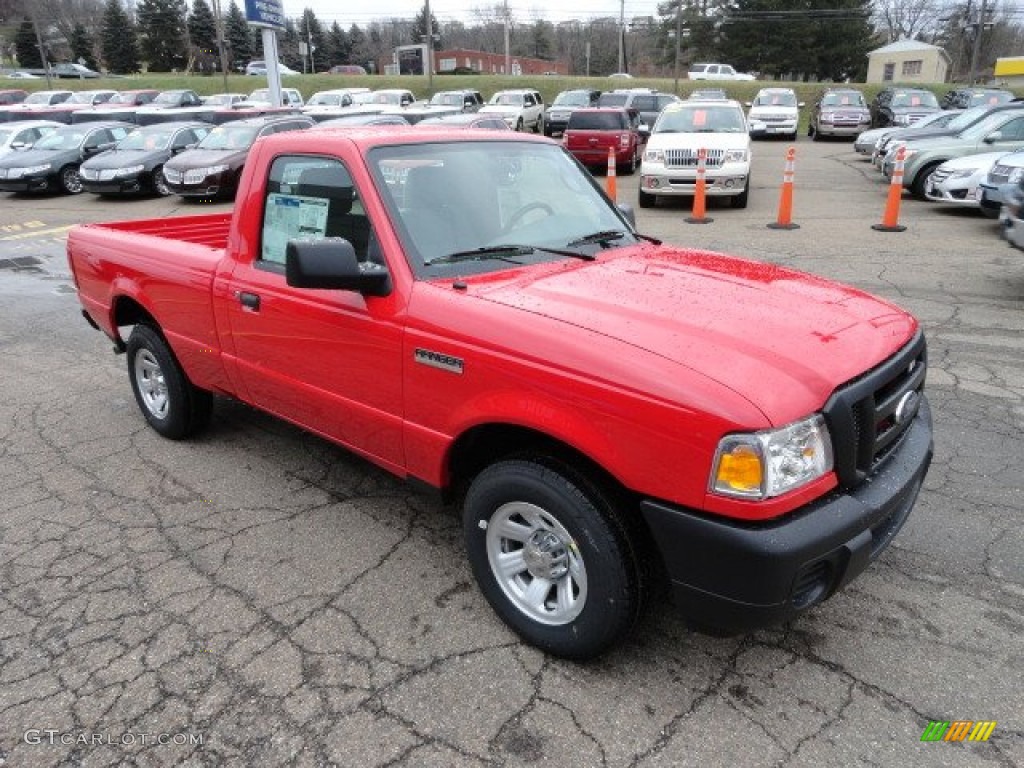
x: 395, y: 97
x: 647, y: 103
x: 464, y: 100
x: 362, y: 118
x: 901, y: 106
x: 346, y: 69
x: 956, y: 182
x: 62, y: 111
x: 999, y: 186
x: 12, y: 96
x: 467, y: 120
x: 839, y: 112
x: 260, y: 68
x: 213, y: 166
x: 1001, y: 131
x: 223, y: 99
x: 54, y: 160
x: 774, y: 112
x: 964, y: 98
x: 22, y: 135
x: 961, y: 120
x: 704, y: 71
x: 1011, y: 217
x: 21, y: 75
x: 42, y: 99
x: 670, y: 159
x: 332, y: 99
x: 290, y: 97
x: 522, y: 109
x: 556, y: 116
x: 136, y: 163
x: 867, y: 142
x: 708, y: 93
x: 69, y: 69
x: 592, y: 131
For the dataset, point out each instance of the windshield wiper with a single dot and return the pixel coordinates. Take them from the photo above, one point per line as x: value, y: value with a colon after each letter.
x: 497, y: 252
x: 602, y: 237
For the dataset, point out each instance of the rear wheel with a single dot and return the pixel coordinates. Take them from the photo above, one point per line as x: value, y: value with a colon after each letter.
x: 168, y: 400
x: 519, y: 124
x: 551, y: 557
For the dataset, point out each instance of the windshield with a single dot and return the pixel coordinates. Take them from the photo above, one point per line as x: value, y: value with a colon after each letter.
x: 41, y: 98
x: 324, y: 100
x: 220, y: 99
x: 260, y: 94
x: 775, y: 99
x: 985, y: 126
x: 572, y: 99
x: 447, y: 99
x: 924, y: 99
x: 966, y: 118
x: 147, y: 140
x: 990, y: 98
x: 168, y: 97
x: 61, y: 139
x: 84, y: 97
x: 701, y: 119
x: 513, y: 198
x: 612, y: 99
x: 598, y: 121
x: 229, y: 137
x: 843, y: 99
x: 508, y: 99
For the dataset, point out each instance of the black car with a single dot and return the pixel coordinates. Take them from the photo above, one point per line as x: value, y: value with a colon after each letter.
x: 964, y: 98
x: 901, y: 107
x: 213, y: 167
x: 556, y: 117
x: 136, y: 164
x: 54, y: 160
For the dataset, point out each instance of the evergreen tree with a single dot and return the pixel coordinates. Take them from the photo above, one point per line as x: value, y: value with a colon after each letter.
x: 359, y: 52
x: 119, y: 40
x: 27, y: 47
x: 288, y: 45
x: 419, y: 29
x: 239, y: 38
x: 83, y: 47
x: 339, y: 47
x: 843, y: 40
x: 162, y: 29
x: 313, y: 33
x: 202, y: 29
x: 541, y: 33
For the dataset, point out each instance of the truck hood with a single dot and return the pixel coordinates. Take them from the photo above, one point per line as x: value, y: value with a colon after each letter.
x: 780, y: 338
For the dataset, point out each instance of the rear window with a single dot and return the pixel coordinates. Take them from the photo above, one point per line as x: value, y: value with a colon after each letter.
x: 612, y: 100
x: 645, y: 103
x: 596, y: 121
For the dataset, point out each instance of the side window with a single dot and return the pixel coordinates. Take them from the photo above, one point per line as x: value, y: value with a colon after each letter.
x: 313, y: 198
x: 1013, y: 130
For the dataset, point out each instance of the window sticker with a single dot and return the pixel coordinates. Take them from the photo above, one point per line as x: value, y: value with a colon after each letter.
x: 291, y: 217
x: 915, y: 101
x: 700, y: 118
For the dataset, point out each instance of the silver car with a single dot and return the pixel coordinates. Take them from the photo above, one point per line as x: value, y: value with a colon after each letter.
x: 956, y: 181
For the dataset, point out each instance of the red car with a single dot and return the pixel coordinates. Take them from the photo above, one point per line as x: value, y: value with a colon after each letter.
x: 591, y: 131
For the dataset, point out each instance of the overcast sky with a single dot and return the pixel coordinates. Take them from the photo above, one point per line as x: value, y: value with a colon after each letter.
x: 329, y: 11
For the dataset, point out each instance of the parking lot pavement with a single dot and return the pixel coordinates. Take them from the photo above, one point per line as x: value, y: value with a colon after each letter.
x: 260, y: 597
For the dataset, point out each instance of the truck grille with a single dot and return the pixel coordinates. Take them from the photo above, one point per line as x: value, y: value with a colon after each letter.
x: 868, y: 416
x: 687, y: 158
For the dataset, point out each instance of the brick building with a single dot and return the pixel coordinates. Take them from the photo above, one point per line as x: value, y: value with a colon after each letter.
x: 494, y: 63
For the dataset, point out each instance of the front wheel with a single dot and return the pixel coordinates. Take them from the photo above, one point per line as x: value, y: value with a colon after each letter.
x: 645, y: 199
x: 160, y: 185
x: 70, y: 179
x: 920, y: 182
x: 552, y: 558
x: 519, y: 124
x: 741, y: 200
x: 168, y: 400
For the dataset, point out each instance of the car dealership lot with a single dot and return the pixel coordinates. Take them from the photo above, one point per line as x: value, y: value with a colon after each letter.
x: 282, y: 602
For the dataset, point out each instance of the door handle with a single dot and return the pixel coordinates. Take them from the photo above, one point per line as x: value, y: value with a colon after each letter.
x: 249, y: 301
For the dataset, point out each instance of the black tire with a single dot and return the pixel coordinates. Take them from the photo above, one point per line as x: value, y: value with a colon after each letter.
x: 70, y: 180
x: 921, y: 180
x: 989, y: 213
x: 645, y: 199
x: 539, y: 126
x: 630, y: 168
x: 578, y: 590
x: 519, y: 124
x: 171, y: 404
x: 741, y: 200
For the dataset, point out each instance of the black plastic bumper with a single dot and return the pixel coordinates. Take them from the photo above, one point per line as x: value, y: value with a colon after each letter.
x: 735, y: 577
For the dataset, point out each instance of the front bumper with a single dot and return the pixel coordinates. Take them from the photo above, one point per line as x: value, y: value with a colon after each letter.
x: 728, y: 180
x: 28, y: 184
x: 126, y: 186
x: 779, y: 128
x: 842, y: 129
x: 210, y: 186
x: 599, y: 156
x: 732, y: 577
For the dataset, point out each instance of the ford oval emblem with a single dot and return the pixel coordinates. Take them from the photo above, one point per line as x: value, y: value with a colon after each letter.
x: 907, y: 407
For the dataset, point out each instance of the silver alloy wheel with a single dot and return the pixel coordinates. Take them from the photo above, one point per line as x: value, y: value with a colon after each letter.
x: 71, y: 180
x: 536, y: 563
x: 149, y: 377
x: 160, y: 183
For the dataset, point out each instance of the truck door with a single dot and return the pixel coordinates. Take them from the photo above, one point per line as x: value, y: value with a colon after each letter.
x: 329, y: 360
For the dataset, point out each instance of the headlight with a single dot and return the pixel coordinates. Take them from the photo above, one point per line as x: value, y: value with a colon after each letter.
x: 735, y: 156
x: 130, y: 171
x: 1015, y: 176
x: 211, y: 170
x: 963, y: 173
x: 761, y: 465
x: 654, y: 156
x: 827, y: 117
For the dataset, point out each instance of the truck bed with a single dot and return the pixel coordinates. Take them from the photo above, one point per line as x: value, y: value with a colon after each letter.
x: 210, y: 230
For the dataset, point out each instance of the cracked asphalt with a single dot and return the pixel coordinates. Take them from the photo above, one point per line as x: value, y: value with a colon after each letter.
x: 260, y: 597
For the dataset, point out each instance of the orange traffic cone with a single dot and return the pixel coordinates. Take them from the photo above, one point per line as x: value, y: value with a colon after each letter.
x: 610, y: 187
x: 699, y: 192
x: 891, y: 217
x: 785, y: 217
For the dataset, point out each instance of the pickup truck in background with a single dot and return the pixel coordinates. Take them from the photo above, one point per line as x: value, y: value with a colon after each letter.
x: 469, y: 311
x: 716, y: 72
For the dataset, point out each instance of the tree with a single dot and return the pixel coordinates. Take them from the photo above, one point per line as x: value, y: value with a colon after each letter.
x: 842, y: 38
x: 359, y: 50
x: 202, y: 29
x: 83, y: 47
x: 288, y: 46
x: 239, y: 36
x: 339, y: 45
x: 420, y: 31
x: 541, y: 33
x: 163, y: 33
x: 313, y: 34
x: 27, y: 46
x: 119, y: 40
x: 907, y: 19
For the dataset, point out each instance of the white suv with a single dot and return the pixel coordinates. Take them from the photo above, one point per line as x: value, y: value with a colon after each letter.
x: 521, y: 109
x: 670, y: 159
x: 774, y: 112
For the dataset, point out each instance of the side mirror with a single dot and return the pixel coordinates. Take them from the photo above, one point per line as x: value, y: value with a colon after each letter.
x: 331, y: 262
x: 993, y: 137
x: 627, y: 210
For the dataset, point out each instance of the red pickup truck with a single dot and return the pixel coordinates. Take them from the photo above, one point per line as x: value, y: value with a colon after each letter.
x: 470, y: 312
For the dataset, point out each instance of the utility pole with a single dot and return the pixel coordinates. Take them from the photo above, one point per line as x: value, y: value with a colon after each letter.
x: 679, y: 35
x: 622, y: 35
x: 508, y: 52
x: 977, y: 43
x: 218, y: 25
x: 309, y: 46
x: 429, y: 63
